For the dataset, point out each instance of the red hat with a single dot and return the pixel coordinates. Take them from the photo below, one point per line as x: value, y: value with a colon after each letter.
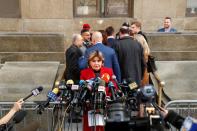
x: 86, y: 26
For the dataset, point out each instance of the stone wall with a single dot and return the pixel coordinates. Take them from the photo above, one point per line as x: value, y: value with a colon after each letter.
x: 57, y: 16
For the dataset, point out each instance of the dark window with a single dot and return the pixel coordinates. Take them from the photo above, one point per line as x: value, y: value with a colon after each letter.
x: 191, y: 10
x: 103, y: 8
x: 10, y: 9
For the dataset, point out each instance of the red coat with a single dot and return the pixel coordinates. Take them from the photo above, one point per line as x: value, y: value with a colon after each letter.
x: 87, y: 74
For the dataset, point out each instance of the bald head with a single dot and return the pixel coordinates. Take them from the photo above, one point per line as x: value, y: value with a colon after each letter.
x: 97, y: 37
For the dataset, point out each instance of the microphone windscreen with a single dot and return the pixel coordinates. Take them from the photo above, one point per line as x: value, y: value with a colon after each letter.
x: 55, y: 90
x: 106, y: 77
x: 34, y: 126
x: 113, y: 77
x: 40, y: 88
x: 69, y: 82
x: 19, y: 116
x: 101, y: 87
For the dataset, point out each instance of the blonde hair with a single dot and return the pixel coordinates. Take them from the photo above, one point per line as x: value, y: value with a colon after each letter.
x: 94, y: 54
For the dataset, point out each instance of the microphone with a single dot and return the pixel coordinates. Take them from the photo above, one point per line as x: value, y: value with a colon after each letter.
x: 34, y: 92
x: 132, y: 84
x: 86, y: 86
x: 114, y: 78
x: 62, y: 85
x: 52, y: 96
x: 111, y: 87
x: 69, y: 82
x: 101, y: 94
x: 106, y: 77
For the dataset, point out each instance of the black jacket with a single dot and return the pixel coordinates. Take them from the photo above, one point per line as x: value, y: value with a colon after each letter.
x: 131, y: 59
x: 72, y: 68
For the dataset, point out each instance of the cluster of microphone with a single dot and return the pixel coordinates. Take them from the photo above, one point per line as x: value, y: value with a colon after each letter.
x: 104, y: 95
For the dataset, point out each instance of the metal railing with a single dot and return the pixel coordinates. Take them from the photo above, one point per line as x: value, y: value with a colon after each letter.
x: 183, y: 107
x: 53, y: 118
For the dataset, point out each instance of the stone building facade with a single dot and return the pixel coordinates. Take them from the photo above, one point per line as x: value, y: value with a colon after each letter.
x: 61, y: 16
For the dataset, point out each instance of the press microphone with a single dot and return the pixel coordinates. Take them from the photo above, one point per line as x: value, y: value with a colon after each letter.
x: 34, y: 92
x: 83, y: 85
x: 86, y: 86
x: 52, y: 96
x: 62, y: 85
x: 69, y: 82
x: 111, y: 87
x: 101, y: 94
x: 106, y: 77
x: 114, y: 78
x: 132, y: 84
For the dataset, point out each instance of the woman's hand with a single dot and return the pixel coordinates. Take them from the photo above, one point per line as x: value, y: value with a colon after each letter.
x: 17, y: 105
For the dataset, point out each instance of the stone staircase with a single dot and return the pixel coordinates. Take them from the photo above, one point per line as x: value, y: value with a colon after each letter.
x: 31, y: 47
x: 175, y: 54
x: 177, y: 62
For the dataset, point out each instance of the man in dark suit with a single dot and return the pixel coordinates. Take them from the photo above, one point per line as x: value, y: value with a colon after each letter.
x: 73, y: 53
x: 130, y: 56
x: 110, y: 57
x: 110, y: 36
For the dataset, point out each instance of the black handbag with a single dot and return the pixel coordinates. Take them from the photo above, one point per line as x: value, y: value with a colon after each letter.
x: 151, y: 66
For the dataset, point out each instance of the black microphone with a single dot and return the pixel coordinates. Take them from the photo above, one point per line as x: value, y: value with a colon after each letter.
x: 52, y: 96
x: 111, y: 87
x: 34, y: 92
x: 101, y: 94
x: 86, y: 87
x: 117, y: 83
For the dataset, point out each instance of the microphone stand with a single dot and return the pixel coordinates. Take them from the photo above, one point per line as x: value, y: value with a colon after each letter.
x: 94, y: 119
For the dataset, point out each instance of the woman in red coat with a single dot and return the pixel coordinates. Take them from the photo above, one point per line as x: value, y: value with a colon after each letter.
x: 95, y: 69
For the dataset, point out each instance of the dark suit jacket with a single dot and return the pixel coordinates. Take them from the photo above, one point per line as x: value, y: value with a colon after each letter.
x: 163, y: 30
x: 111, y: 60
x: 131, y: 58
x: 111, y: 42
x: 73, y: 53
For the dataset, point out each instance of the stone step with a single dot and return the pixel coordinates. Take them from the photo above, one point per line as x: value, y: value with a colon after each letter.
x: 175, y: 55
x: 32, y: 56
